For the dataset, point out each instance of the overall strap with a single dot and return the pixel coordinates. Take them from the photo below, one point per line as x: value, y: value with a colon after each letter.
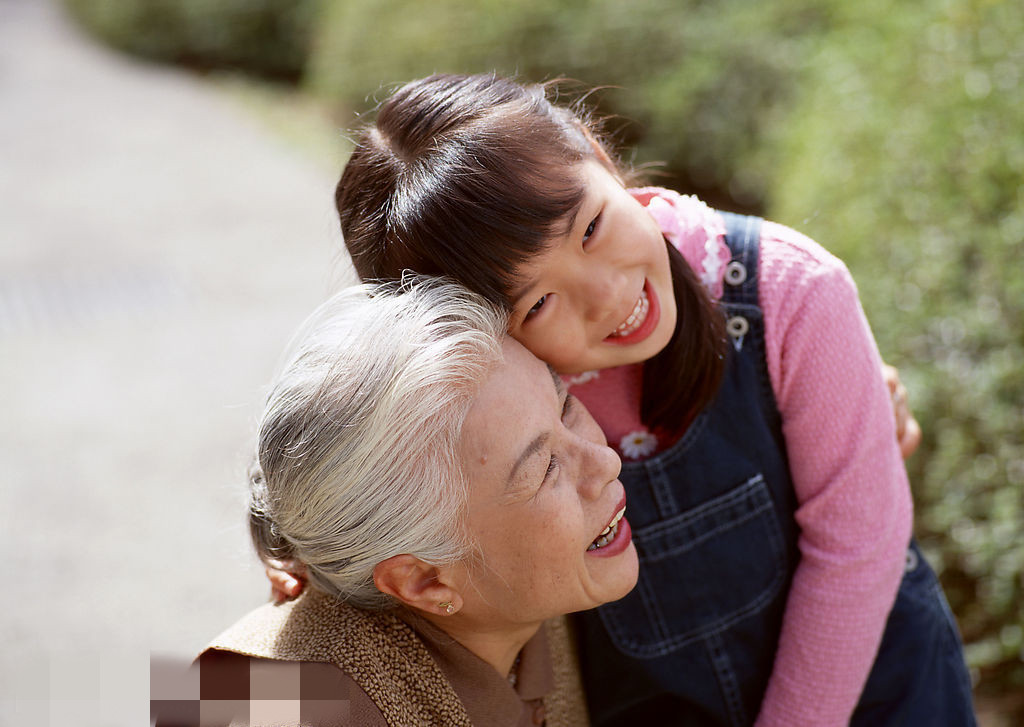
x: 739, y: 295
x: 712, y: 519
x: 741, y: 304
x: 743, y: 235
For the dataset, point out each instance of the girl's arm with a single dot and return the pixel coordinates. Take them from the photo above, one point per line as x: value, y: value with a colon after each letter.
x: 287, y: 579
x: 854, y: 499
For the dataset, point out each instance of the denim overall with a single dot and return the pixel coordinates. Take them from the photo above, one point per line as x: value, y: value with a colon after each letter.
x: 713, y: 522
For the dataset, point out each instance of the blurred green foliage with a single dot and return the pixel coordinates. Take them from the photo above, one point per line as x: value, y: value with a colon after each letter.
x: 894, y: 135
x: 687, y: 83
x: 905, y: 155
x: 269, y: 38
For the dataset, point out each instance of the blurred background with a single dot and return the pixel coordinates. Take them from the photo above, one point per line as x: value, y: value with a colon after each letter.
x: 166, y: 220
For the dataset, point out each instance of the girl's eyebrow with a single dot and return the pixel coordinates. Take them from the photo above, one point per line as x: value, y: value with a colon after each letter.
x: 562, y: 230
x: 571, y: 215
x: 520, y: 290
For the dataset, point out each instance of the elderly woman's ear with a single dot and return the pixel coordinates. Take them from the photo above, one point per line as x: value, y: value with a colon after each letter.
x: 417, y: 584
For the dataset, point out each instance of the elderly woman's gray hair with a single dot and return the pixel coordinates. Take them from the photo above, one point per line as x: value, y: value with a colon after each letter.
x: 357, y: 455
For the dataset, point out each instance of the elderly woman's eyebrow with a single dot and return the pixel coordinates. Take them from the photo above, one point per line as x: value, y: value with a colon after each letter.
x: 533, y: 448
x: 559, y: 384
x: 538, y: 442
x: 569, y: 402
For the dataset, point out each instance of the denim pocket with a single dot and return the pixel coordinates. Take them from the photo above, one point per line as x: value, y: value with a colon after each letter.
x: 701, y: 571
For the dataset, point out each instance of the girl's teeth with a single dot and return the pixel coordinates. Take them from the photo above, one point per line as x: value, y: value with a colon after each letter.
x: 636, y: 318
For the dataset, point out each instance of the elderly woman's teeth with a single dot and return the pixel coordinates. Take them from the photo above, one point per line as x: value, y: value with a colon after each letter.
x: 609, y: 533
x: 636, y: 318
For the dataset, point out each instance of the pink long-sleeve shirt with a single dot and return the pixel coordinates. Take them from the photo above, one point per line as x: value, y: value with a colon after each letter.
x: 854, y: 507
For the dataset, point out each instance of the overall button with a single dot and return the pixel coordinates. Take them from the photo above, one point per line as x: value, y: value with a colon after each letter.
x: 737, y: 326
x: 735, y: 273
x: 912, y: 560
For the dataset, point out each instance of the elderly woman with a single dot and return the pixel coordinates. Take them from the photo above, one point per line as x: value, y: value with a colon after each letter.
x: 448, y: 500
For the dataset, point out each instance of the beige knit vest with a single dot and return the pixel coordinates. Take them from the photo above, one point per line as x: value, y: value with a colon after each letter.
x: 386, y: 658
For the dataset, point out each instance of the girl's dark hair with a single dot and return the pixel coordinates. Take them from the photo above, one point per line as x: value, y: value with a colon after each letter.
x: 468, y: 176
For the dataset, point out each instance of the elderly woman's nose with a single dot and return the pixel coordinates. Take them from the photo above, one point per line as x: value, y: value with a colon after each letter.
x: 598, y: 464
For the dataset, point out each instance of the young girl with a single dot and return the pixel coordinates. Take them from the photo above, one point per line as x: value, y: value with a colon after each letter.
x: 730, y: 363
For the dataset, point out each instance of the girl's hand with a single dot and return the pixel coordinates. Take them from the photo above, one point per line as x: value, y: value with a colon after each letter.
x: 287, y: 579
x: 908, y: 431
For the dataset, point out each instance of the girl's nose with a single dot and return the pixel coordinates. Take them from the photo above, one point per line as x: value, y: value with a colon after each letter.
x: 603, y: 290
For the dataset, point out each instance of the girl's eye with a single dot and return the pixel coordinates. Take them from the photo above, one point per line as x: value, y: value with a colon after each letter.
x: 537, y: 306
x: 590, y: 228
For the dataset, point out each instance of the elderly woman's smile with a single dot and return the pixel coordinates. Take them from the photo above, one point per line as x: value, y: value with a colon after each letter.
x: 615, y: 538
x: 545, y: 504
x: 449, y: 502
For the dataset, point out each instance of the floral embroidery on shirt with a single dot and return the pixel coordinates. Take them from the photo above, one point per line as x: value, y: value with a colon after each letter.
x: 638, y: 444
x: 695, y: 229
x: 582, y: 378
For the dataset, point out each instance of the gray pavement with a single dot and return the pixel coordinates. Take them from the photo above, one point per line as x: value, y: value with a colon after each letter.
x: 157, y: 247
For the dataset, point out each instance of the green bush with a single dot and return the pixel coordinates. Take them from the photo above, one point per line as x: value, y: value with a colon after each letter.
x: 265, y: 37
x: 905, y: 155
x: 694, y: 83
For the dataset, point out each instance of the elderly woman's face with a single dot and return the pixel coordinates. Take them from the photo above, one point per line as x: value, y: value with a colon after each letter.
x: 543, y: 490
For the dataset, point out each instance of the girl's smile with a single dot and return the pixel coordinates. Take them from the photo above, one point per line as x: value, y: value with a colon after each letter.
x: 641, y: 322
x: 601, y: 294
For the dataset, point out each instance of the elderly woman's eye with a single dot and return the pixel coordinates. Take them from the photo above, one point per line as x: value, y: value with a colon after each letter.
x: 552, y: 466
x: 537, y: 306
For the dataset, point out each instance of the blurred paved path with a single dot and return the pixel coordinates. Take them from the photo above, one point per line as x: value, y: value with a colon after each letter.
x: 157, y: 247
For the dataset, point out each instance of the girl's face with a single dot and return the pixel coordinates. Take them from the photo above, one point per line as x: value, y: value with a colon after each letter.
x: 601, y: 294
